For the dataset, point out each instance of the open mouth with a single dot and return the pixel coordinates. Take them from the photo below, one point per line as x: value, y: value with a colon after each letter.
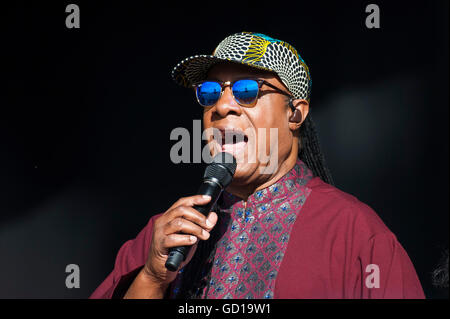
x: 231, y: 140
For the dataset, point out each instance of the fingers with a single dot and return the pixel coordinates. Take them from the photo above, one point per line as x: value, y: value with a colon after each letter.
x: 191, y: 201
x: 194, y: 216
x: 182, y: 225
x: 176, y: 240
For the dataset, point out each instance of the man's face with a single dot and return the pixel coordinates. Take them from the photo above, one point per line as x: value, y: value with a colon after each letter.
x: 270, y: 111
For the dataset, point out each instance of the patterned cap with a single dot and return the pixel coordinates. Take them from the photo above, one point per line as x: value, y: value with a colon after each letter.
x: 255, y: 50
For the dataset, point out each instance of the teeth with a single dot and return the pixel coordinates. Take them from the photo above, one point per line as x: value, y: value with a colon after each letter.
x: 232, y: 137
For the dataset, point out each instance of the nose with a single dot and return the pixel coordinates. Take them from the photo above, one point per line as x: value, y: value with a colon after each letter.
x: 227, y: 105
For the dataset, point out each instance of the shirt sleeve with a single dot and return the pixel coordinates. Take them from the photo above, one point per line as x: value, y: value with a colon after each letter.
x: 129, y: 261
x: 385, y: 271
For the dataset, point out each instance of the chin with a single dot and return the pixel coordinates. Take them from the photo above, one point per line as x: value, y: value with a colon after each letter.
x: 243, y: 173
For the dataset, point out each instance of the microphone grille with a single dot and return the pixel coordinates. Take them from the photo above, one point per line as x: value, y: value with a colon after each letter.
x: 222, y: 167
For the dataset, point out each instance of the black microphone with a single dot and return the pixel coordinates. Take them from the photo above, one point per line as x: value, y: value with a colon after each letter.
x: 217, y: 177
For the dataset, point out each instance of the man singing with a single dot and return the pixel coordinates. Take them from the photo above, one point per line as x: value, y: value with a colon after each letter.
x: 278, y: 231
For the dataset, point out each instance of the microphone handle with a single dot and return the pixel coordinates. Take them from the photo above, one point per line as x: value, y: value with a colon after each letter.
x: 178, y: 254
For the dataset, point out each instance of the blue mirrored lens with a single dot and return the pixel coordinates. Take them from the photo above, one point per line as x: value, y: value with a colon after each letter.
x: 208, y: 93
x: 245, y: 91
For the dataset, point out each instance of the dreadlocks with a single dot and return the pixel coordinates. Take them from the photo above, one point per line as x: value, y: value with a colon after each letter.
x: 310, y: 152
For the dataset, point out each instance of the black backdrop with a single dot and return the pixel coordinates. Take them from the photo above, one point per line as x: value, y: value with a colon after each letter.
x: 86, y: 116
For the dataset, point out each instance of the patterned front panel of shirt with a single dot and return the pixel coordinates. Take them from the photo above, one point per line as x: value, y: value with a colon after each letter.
x: 250, y: 252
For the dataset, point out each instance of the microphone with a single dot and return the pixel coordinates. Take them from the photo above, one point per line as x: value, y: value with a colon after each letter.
x: 218, y: 175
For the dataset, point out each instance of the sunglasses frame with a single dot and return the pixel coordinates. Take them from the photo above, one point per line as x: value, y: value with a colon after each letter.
x: 223, y: 85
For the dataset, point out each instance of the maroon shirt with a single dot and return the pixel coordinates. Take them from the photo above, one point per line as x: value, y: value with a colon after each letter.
x: 328, y: 245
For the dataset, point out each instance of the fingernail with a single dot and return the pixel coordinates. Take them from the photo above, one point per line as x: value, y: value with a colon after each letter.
x: 206, y: 196
x: 211, y: 220
x: 193, y: 239
x: 205, y: 233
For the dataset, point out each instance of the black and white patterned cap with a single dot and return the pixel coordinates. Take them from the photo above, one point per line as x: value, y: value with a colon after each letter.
x: 255, y: 50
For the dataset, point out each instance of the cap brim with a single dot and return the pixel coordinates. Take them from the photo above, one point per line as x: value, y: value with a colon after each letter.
x: 195, y: 68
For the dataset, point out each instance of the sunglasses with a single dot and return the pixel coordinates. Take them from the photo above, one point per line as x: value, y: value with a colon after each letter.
x: 245, y: 91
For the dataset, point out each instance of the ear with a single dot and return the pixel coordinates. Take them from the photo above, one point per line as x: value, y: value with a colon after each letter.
x: 297, y: 117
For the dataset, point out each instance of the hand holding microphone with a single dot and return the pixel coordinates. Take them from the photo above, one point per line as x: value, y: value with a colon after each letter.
x: 217, y: 177
x: 184, y: 223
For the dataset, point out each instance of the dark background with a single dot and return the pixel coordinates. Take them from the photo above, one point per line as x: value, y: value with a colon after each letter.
x: 86, y: 116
